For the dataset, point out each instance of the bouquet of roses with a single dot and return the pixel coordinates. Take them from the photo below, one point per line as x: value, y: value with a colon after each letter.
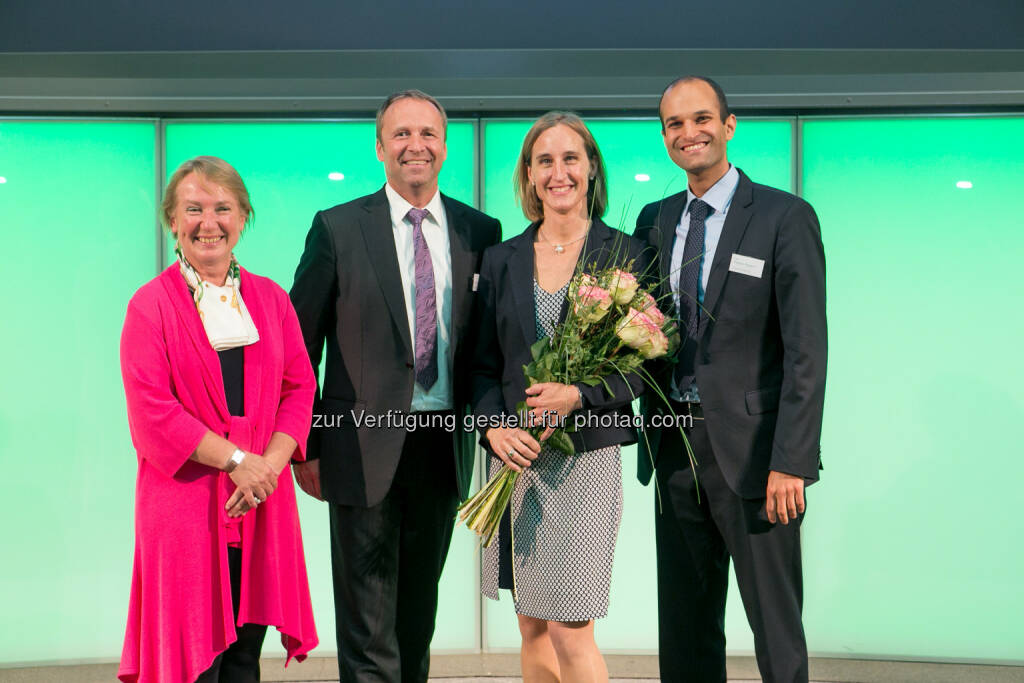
x: 612, y: 327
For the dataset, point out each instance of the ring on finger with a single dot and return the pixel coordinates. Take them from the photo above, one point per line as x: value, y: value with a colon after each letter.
x: 258, y: 501
x: 510, y: 453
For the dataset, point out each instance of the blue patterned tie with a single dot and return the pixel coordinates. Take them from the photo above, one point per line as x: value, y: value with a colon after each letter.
x: 689, y: 290
x: 426, y: 304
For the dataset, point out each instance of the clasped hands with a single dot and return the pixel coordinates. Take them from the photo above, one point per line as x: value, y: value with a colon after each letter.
x: 256, y: 479
x: 548, y: 403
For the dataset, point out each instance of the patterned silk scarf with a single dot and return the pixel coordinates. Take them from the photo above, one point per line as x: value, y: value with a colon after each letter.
x: 221, y: 309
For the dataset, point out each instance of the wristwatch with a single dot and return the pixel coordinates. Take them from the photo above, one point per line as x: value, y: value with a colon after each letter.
x: 236, y: 459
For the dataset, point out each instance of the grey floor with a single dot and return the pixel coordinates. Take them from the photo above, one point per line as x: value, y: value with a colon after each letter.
x: 501, y: 668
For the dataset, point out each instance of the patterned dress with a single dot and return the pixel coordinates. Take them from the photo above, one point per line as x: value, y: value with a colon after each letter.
x: 565, y: 520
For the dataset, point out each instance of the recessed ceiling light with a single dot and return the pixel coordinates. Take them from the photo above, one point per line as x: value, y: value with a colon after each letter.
x: 334, y: 175
x: 641, y: 177
x: 2, y: 180
x: 964, y: 184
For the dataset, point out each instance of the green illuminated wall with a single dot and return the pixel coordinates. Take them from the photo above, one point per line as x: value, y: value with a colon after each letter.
x: 911, y: 541
x: 76, y: 211
x: 913, y: 538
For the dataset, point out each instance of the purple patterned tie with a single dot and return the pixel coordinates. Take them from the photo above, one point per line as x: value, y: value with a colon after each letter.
x: 426, y: 304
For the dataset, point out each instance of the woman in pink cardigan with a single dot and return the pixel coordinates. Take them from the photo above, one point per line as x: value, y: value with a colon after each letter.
x: 220, y: 395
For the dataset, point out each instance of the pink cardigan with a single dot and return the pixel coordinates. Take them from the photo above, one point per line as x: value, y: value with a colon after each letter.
x: 179, y: 616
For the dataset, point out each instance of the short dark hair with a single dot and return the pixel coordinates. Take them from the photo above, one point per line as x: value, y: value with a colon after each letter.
x: 415, y: 95
x: 723, y: 103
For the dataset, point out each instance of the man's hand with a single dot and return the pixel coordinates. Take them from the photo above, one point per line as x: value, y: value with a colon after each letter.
x: 307, y: 476
x: 785, y: 497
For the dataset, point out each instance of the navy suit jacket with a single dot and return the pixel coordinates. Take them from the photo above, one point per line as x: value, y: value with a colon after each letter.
x: 348, y: 296
x: 762, y: 348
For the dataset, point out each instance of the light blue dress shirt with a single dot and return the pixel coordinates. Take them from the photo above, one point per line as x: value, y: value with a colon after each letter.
x: 718, y: 197
x: 435, y: 233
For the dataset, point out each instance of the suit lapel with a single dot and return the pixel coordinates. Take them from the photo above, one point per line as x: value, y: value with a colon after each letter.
x: 735, y: 226
x: 668, y: 219
x: 383, y: 260
x: 520, y: 269
x: 461, y: 248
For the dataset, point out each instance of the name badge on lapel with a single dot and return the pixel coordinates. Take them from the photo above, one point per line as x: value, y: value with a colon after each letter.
x: 476, y: 281
x: 746, y: 265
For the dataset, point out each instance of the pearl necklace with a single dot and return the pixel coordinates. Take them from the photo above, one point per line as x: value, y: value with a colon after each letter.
x: 560, y: 248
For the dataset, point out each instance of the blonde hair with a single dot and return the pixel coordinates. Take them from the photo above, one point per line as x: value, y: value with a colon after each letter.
x: 214, y: 170
x: 597, y: 189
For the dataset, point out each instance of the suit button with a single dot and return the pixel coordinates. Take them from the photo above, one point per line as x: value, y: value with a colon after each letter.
x: 409, y: 365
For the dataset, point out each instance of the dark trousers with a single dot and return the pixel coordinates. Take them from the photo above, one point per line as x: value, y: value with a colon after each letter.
x: 240, y: 663
x: 387, y: 561
x: 695, y: 541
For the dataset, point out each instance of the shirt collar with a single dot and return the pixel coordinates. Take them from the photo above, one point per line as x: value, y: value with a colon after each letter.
x: 719, y: 195
x: 400, y: 207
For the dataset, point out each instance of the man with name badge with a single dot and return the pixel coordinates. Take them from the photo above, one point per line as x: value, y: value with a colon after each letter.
x: 386, y: 282
x: 746, y: 269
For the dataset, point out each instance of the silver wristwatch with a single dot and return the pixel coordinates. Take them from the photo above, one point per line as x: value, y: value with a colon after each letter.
x: 236, y: 459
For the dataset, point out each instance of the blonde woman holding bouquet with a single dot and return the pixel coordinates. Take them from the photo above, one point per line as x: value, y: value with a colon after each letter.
x: 555, y: 545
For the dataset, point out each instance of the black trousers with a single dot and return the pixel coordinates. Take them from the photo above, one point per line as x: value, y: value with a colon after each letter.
x: 240, y: 663
x: 695, y: 542
x: 387, y: 561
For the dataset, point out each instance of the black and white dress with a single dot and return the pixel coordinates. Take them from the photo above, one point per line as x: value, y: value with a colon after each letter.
x: 565, y: 517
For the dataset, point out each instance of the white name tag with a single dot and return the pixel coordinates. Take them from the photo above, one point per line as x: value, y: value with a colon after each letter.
x: 476, y: 280
x: 746, y: 265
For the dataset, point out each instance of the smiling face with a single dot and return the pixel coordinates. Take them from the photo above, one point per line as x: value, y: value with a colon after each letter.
x: 560, y: 171
x: 207, y: 221
x: 412, y: 147
x: 694, y: 133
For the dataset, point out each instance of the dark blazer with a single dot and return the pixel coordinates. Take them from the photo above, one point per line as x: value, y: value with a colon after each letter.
x: 348, y: 293
x: 762, y: 351
x: 508, y: 329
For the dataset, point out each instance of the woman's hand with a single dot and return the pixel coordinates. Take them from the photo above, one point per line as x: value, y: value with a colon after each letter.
x: 551, y: 402
x: 515, y: 447
x: 256, y: 480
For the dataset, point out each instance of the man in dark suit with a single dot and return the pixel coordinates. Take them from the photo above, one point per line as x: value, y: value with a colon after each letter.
x: 387, y: 282
x: 746, y: 269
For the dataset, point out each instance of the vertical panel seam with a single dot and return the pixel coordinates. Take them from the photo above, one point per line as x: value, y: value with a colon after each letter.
x: 158, y: 177
x: 798, y: 157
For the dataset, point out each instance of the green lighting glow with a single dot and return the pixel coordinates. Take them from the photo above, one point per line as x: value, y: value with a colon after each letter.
x: 909, y: 543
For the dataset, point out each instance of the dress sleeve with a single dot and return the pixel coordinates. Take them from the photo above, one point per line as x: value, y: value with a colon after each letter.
x: 298, y: 384
x: 163, y: 432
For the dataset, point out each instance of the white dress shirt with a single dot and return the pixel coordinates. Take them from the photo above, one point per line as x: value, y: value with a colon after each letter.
x: 435, y: 232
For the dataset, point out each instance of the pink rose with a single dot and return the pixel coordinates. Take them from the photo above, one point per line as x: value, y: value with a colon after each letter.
x: 649, y: 307
x: 592, y: 303
x: 634, y: 328
x: 656, y: 345
x: 578, y: 282
x: 623, y: 286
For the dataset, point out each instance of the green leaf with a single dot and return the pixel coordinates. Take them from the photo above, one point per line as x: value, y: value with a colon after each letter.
x: 539, y: 347
x: 560, y: 441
